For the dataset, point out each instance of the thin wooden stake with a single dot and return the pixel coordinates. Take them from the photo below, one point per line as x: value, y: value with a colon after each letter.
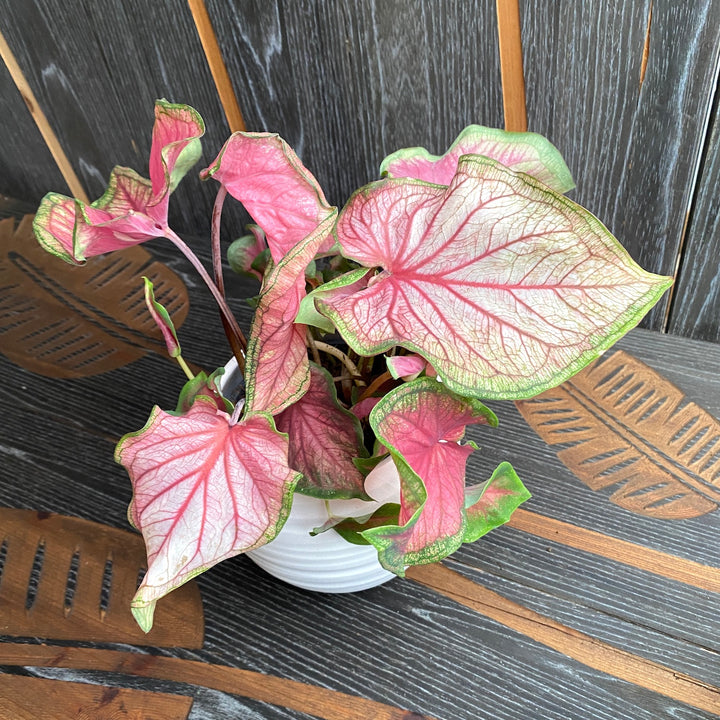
x: 511, y: 65
x: 217, y: 65
x: 41, y: 121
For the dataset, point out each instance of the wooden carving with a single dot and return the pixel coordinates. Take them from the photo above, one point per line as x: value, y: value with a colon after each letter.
x: 625, y: 426
x: 69, y: 322
x: 70, y: 579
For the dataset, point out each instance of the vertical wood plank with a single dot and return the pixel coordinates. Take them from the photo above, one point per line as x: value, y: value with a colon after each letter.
x: 696, y: 307
x: 632, y: 146
x: 348, y: 82
x: 511, y: 65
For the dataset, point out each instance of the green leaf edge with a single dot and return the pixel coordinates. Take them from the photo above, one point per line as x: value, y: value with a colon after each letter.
x: 548, y: 154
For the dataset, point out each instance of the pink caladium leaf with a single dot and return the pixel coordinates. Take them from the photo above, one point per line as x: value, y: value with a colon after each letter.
x: 162, y: 319
x: 405, y: 366
x: 421, y: 423
x: 132, y: 209
x: 490, y: 504
x: 263, y: 172
x: 505, y: 287
x: 324, y: 439
x: 205, y: 489
x: 244, y: 253
x: 277, y: 366
x: 522, y: 152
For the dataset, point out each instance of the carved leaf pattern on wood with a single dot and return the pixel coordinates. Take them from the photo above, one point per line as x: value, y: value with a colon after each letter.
x: 69, y: 322
x: 624, y: 426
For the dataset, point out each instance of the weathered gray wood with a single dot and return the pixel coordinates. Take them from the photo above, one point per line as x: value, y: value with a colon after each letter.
x: 97, y: 73
x: 348, y: 82
x: 633, y: 147
x: 25, y: 161
x: 696, y: 303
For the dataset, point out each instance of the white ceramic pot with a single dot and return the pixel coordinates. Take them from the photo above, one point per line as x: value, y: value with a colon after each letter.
x: 326, y: 562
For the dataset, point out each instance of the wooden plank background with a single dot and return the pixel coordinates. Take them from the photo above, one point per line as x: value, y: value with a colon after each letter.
x: 626, y: 90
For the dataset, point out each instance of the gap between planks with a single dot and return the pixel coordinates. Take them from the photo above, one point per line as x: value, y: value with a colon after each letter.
x: 572, y: 643
x: 703, y: 577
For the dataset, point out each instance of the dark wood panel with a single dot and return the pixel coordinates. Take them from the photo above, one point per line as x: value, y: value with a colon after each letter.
x: 348, y: 82
x: 25, y: 161
x: 97, y: 73
x: 696, y: 302
x: 633, y: 147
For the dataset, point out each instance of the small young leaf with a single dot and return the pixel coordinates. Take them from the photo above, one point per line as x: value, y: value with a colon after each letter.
x: 491, y: 503
x: 263, y: 172
x: 324, y: 439
x: 204, y: 490
x: 202, y: 385
x: 244, y: 253
x: 405, y: 366
x: 505, y: 287
x: 421, y: 422
x: 162, y: 319
x: 351, y: 529
x: 522, y: 152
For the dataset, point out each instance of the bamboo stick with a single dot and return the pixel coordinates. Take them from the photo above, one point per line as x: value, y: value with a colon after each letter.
x: 511, y: 65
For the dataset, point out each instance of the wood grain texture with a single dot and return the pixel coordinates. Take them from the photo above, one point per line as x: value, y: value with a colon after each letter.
x: 318, y: 702
x: 621, y: 425
x: 511, y: 65
x: 29, y: 698
x: 138, y: 52
x: 633, y: 148
x: 696, y: 299
x: 346, y: 83
x: 570, y: 642
x: 24, y: 157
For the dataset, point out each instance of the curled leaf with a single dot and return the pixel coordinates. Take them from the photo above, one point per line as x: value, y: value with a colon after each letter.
x: 505, y: 287
x: 263, y: 172
x: 162, y: 319
x: 132, y: 209
x: 244, y: 253
x: 522, y: 152
x: 421, y: 423
x: 405, y: 366
x: 491, y: 503
x: 204, y: 489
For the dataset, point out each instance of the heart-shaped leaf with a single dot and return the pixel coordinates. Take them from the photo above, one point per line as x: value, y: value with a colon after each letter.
x: 277, y: 366
x: 132, y: 209
x: 263, y: 172
x: 421, y: 423
x: 324, y: 439
x: 205, y: 489
x: 526, y: 152
x: 505, y: 287
x: 491, y: 503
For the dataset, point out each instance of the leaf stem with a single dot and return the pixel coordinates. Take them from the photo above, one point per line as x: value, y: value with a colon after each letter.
x: 343, y: 358
x: 313, y: 347
x: 234, y: 328
x: 188, y: 372
x: 238, y: 348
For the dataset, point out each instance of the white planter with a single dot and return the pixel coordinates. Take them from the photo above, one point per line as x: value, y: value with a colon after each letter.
x: 326, y: 562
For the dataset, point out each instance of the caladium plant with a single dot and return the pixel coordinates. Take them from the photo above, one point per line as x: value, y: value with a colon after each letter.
x: 378, y: 333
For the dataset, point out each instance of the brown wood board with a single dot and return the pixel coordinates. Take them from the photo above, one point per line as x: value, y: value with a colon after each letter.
x: 71, y: 579
x: 67, y: 322
x: 30, y: 698
x: 319, y: 702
